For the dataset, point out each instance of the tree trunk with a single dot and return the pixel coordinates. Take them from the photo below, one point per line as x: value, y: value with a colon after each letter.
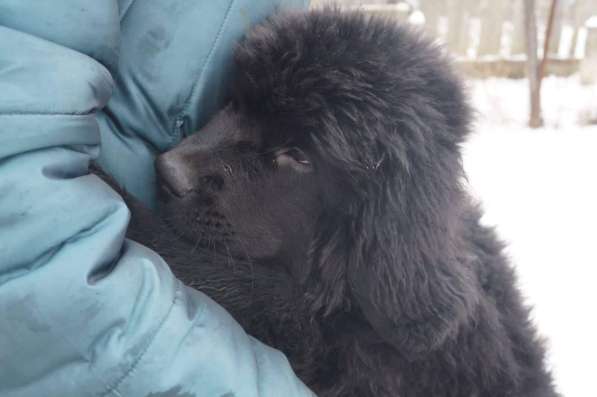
x: 556, y: 19
x: 530, y: 22
x: 548, y: 40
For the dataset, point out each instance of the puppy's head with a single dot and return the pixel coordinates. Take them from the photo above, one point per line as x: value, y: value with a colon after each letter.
x: 340, y: 148
x: 233, y: 187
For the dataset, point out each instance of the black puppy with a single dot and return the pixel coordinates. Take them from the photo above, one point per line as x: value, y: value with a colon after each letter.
x: 324, y: 208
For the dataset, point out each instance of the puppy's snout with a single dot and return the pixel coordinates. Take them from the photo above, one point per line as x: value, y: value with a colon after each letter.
x: 173, y: 173
x: 181, y: 173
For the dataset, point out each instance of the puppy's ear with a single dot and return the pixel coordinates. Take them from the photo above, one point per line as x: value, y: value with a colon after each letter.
x: 408, y: 268
x: 401, y: 260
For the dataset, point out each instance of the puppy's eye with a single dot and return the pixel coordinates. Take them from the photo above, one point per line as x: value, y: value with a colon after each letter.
x: 293, y: 157
x: 297, y: 155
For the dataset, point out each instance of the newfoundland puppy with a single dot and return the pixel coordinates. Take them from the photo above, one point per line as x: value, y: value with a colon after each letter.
x: 324, y: 207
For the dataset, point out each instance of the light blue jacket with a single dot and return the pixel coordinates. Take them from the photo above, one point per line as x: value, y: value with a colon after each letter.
x: 84, y: 312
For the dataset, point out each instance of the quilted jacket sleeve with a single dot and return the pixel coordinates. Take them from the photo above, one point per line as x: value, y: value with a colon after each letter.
x: 84, y: 312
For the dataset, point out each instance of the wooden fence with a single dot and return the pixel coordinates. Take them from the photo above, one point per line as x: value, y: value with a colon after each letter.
x: 487, y: 36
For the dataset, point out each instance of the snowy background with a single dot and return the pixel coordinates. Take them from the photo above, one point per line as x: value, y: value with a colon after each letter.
x: 539, y: 189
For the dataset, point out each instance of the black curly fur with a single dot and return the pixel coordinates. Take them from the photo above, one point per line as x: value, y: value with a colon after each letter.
x: 407, y: 294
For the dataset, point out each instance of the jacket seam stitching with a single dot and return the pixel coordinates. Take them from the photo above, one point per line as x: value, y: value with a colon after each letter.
x: 187, y: 103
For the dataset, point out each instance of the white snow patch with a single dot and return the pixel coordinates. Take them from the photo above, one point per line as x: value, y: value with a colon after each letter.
x: 539, y: 188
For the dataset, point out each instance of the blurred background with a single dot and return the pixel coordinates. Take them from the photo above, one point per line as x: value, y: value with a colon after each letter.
x: 530, y: 68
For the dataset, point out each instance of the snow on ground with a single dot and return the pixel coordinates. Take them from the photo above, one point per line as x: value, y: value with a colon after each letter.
x: 539, y: 188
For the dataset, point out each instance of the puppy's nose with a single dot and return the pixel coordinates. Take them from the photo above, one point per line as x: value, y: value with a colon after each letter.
x: 173, y: 173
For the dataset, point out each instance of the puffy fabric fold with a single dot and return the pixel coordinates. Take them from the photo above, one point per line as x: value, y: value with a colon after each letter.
x: 90, y: 27
x: 84, y: 312
x: 40, y: 77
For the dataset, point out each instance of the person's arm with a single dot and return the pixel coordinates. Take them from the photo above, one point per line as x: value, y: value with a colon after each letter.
x: 84, y: 312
